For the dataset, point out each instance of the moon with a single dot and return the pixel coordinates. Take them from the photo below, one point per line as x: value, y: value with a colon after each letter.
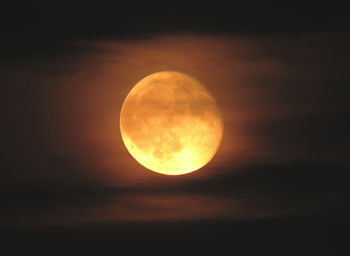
x: 170, y: 123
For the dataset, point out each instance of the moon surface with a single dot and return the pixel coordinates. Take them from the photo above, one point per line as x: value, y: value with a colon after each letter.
x: 170, y: 123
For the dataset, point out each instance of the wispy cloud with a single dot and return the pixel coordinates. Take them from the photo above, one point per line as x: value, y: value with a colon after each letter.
x: 283, y: 98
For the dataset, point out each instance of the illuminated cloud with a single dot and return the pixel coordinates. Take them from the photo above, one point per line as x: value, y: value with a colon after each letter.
x: 279, y: 102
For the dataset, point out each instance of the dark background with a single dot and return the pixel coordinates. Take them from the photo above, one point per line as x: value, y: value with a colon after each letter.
x: 31, y: 31
x: 42, y: 24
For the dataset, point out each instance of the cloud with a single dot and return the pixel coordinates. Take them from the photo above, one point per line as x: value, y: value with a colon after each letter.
x: 256, y: 192
x: 274, y: 91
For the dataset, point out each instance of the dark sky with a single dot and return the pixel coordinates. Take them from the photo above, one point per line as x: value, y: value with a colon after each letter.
x: 279, y: 183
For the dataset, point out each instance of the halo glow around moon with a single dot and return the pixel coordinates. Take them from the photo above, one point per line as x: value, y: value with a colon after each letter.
x: 170, y: 123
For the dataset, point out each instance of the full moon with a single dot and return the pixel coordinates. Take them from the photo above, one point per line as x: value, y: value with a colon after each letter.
x: 170, y: 123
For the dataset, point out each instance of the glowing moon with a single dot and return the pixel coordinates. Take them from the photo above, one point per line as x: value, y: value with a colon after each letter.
x: 170, y: 123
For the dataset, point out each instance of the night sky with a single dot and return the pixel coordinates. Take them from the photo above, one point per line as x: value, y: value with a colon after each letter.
x: 279, y: 184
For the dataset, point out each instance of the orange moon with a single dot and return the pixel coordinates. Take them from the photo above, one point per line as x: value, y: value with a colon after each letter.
x: 170, y: 123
